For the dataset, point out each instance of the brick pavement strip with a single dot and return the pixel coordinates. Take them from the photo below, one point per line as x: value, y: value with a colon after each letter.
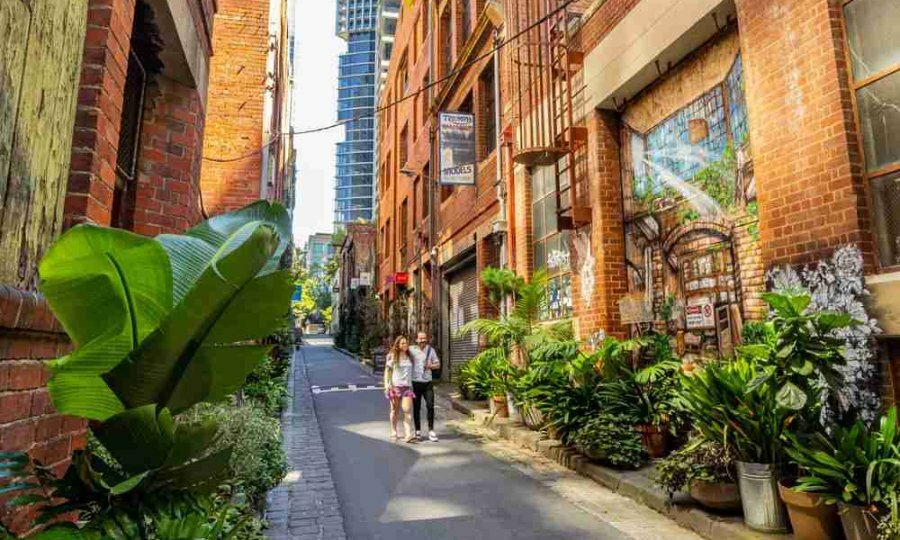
x: 305, y: 506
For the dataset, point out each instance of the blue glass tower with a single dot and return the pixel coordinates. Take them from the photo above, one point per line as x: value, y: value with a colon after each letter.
x: 357, y: 81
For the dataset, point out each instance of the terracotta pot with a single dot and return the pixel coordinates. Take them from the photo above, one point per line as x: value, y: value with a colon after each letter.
x: 721, y: 496
x: 654, y: 439
x: 811, y: 518
x: 499, y: 406
x: 859, y: 523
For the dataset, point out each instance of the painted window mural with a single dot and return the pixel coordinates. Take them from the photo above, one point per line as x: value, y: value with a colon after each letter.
x: 690, y: 210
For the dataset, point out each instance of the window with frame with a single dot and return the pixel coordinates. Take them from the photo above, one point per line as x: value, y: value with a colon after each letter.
x: 551, y: 244
x: 873, y: 48
x: 404, y: 222
x: 465, y: 20
x: 404, y: 145
x: 488, y: 110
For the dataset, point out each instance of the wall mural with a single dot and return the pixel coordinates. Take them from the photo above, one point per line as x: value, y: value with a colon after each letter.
x: 692, y: 250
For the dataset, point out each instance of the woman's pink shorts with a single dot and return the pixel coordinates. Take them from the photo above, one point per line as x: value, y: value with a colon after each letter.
x: 398, y: 392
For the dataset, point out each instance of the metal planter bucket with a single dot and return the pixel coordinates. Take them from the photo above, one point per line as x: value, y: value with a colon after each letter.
x: 763, y: 509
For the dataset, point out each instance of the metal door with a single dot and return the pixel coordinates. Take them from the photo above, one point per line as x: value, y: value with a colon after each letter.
x: 463, y: 308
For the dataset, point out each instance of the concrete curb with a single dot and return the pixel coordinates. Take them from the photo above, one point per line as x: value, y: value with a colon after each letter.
x: 635, y: 485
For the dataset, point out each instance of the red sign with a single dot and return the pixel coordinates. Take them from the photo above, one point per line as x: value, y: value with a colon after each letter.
x: 401, y: 278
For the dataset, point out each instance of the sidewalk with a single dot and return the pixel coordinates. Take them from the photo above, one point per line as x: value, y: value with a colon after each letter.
x: 305, y: 506
x: 636, y: 485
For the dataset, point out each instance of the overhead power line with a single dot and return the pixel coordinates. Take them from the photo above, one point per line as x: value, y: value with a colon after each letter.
x: 454, y: 72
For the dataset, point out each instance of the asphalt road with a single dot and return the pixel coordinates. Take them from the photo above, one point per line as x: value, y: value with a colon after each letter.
x: 444, y: 490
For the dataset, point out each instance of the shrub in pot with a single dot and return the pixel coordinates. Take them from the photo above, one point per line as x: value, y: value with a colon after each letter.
x: 723, y: 408
x: 706, y: 469
x: 859, y: 467
x: 642, y: 389
x: 609, y: 438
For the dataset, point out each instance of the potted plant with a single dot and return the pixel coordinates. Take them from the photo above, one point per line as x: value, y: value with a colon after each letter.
x: 857, y: 467
x: 706, y: 469
x: 645, y: 393
x: 609, y: 439
x: 723, y: 408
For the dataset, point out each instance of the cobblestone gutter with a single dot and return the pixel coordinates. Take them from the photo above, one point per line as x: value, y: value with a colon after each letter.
x: 305, y: 506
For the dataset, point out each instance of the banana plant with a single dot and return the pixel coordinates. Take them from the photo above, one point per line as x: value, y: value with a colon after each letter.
x: 159, y: 325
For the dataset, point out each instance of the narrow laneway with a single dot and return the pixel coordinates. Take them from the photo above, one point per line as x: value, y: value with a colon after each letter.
x: 450, y: 489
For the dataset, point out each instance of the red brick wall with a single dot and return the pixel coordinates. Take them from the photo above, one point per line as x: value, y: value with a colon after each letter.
x: 808, y: 167
x: 29, y: 336
x: 235, y: 105
x: 606, y: 232
x: 168, y: 191
x: 96, y: 139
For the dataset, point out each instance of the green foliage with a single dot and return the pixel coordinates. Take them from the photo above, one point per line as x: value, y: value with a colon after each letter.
x: 266, y: 386
x: 478, y: 377
x: 699, y: 460
x: 753, y: 228
x: 611, y: 439
x: 646, y: 394
x: 160, y: 325
x: 718, y: 179
x: 501, y: 283
x: 257, y: 461
x: 723, y: 407
x: 564, y: 390
x: 856, y: 465
x: 757, y: 333
x: 800, y: 349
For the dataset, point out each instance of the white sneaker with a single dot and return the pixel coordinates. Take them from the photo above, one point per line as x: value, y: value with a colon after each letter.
x: 432, y: 436
x: 418, y: 434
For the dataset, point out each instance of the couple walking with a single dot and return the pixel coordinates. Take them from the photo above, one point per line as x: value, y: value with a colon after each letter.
x: 407, y: 379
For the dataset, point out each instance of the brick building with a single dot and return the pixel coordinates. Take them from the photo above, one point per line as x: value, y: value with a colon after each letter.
x: 103, y: 122
x: 248, y: 152
x: 658, y: 158
x: 356, y: 255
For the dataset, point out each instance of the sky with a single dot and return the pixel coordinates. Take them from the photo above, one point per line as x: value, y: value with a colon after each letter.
x: 315, y: 105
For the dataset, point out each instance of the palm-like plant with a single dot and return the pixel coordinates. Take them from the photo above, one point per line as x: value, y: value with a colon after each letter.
x: 159, y: 325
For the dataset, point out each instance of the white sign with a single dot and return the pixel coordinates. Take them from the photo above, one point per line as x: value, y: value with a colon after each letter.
x: 365, y: 279
x: 700, y: 315
x: 456, y: 143
x: 354, y: 284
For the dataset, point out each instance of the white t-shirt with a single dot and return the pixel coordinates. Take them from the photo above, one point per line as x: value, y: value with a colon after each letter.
x: 401, y: 371
x: 422, y: 358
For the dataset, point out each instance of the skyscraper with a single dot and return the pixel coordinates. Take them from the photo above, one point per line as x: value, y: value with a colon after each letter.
x: 354, y: 178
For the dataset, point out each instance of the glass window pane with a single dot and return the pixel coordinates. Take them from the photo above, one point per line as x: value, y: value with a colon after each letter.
x: 886, y: 203
x: 879, y: 112
x: 550, y: 224
x: 540, y: 255
x: 537, y: 218
x: 872, y: 34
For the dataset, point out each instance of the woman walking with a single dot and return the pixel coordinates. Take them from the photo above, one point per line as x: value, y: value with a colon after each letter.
x: 398, y: 373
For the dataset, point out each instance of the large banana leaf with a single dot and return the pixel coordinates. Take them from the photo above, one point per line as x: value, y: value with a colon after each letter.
x: 190, y: 251
x: 194, y: 355
x: 109, y: 289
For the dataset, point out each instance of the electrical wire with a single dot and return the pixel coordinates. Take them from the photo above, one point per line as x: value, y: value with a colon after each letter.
x: 453, y: 73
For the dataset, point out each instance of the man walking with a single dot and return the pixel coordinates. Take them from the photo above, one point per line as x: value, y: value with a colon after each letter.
x: 425, y: 359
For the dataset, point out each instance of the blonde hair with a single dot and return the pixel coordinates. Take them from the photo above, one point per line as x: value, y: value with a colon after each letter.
x: 395, y: 348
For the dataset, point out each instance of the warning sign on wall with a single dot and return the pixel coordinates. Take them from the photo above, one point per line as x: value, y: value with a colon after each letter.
x: 700, y: 315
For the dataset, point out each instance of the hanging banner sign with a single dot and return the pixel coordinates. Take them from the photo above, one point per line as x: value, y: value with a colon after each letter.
x: 456, y: 143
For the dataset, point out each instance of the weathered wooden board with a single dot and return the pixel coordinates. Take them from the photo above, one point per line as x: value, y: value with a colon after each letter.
x: 50, y: 36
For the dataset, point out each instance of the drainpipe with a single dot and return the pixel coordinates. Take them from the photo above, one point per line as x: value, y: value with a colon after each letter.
x: 501, y: 224
x: 269, y: 95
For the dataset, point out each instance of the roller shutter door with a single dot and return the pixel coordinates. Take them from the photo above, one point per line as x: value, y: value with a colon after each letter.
x: 463, y: 307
